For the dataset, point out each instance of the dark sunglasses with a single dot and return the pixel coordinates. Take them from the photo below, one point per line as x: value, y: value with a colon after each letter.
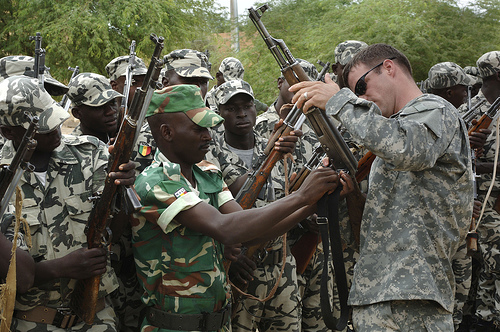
x: 360, y: 87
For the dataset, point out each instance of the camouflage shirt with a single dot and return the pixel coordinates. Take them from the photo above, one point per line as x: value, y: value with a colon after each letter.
x: 58, y: 212
x: 419, y: 201
x: 180, y: 269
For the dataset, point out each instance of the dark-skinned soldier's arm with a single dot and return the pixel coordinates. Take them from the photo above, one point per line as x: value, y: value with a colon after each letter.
x: 25, y: 265
x: 235, y: 225
x: 82, y: 263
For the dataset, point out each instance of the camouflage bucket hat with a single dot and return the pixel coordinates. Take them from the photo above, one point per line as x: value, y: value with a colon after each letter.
x: 227, y: 90
x: 309, y: 68
x: 91, y: 89
x: 231, y: 69
x: 188, y: 63
x: 447, y: 74
x: 183, y: 98
x: 473, y: 73
x: 488, y: 64
x: 21, y: 93
x: 118, y: 67
x: 345, y: 51
x: 16, y: 65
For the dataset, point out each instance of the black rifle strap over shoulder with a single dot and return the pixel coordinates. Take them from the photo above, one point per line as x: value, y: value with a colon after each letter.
x: 328, y: 221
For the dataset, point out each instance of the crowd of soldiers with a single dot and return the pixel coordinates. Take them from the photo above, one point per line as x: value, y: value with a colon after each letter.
x: 180, y: 263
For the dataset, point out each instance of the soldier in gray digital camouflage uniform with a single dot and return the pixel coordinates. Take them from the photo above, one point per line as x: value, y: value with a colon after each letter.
x: 488, y: 293
x: 237, y: 151
x: 15, y: 65
x: 94, y: 103
x: 419, y: 200
x: 68, y: 171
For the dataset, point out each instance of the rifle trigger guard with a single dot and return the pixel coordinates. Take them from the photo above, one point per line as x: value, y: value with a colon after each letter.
x: 322, y: 220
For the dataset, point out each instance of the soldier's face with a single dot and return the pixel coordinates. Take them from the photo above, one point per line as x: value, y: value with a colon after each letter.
x: 457, y: 95
x: 101, y: 119
x: 46, y: 143
x: 191, y: 142
x: 239, y: 114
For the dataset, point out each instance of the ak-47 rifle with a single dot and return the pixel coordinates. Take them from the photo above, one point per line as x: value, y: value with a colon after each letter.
x: 84, y: 297
x: 331, y: 140
x: 65, y: 101
x: 11, y: 174
x: 128, y: 77
x: 39, y: 67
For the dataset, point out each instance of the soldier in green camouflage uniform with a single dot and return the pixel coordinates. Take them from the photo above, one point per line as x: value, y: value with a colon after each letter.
x: 68, y: 170
x: 94, y: 103
x: 488, y: 293
x: 188, y: 216
x: 238, y: 150
x: 419, y: 201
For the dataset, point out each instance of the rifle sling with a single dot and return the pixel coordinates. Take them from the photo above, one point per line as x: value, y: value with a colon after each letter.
x: 328, y: 221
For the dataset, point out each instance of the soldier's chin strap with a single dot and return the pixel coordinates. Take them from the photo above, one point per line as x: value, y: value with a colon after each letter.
x: 328, y: 221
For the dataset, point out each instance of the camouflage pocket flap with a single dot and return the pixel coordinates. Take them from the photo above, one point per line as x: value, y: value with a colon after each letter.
x: 31, y: 211
x: 78, y: 204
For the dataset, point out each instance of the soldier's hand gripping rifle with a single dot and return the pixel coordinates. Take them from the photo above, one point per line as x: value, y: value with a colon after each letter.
x: 84, y: 297
x: 11, y: 174
x: 328, y: 135
x: 65, y: 101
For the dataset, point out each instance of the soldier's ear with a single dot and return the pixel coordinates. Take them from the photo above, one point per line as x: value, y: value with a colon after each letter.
x: 77, y: 112
x: 167, y: 132
x: 114, y: 85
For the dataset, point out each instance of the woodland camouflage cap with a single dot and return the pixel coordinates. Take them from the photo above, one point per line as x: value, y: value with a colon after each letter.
x: 16, y: 65
x: 183, y: 98
x: 489, y: 64
x: 232, y: 69
x: 118, y: 67
x: 346, y: 50
x: 446, y: 75
x: 227, y: 90
x: 91, y: 89
x: 20, y: 94
x: 188, y: 63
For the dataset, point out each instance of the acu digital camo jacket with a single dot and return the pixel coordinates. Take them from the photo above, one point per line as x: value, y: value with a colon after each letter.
x: 57, y: 213
x: 419, y: 202
x: 181, y: 270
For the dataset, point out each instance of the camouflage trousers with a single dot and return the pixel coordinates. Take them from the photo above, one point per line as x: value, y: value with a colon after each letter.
x: 105, y: 321
x: 402, y: 316
x: 126, y: 299
x: 281, y: 312
x: 488, y: 293
x: 462, y: 269
x: 310, y: 287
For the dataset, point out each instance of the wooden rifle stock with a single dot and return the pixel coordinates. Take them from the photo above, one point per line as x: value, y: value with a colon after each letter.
x: 364, y: 165
x: 85, y: 296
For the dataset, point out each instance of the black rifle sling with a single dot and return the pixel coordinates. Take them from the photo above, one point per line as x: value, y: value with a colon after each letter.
x: 328, y: 221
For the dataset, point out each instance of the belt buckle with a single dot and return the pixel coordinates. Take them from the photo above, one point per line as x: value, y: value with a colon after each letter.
x: 64, y: 318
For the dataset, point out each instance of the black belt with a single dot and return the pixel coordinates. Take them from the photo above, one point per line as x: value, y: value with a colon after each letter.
x: 210, y: 321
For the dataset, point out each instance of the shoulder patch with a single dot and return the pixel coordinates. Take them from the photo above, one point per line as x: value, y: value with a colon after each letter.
x: 180, y: 192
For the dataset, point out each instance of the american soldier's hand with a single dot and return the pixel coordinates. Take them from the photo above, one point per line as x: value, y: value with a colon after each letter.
x: 314, y: 93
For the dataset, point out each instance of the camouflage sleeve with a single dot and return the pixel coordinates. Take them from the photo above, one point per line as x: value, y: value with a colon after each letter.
x: 411, y: 141
x: 101, y: 158
x: 230, y: 165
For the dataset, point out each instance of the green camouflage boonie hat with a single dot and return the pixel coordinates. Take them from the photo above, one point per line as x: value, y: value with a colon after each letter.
x: 309, y: 68
x: 188, y: 63
x: 118, y: 67
x: 488, y: 64
x: 21, y: 93
x: 183, y: 98
x: 345, y: 51
x: 16, y: 65
x: 91, y: 89
x: 227, y: 90
x: 231, y: 69
x: 447, y: 74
